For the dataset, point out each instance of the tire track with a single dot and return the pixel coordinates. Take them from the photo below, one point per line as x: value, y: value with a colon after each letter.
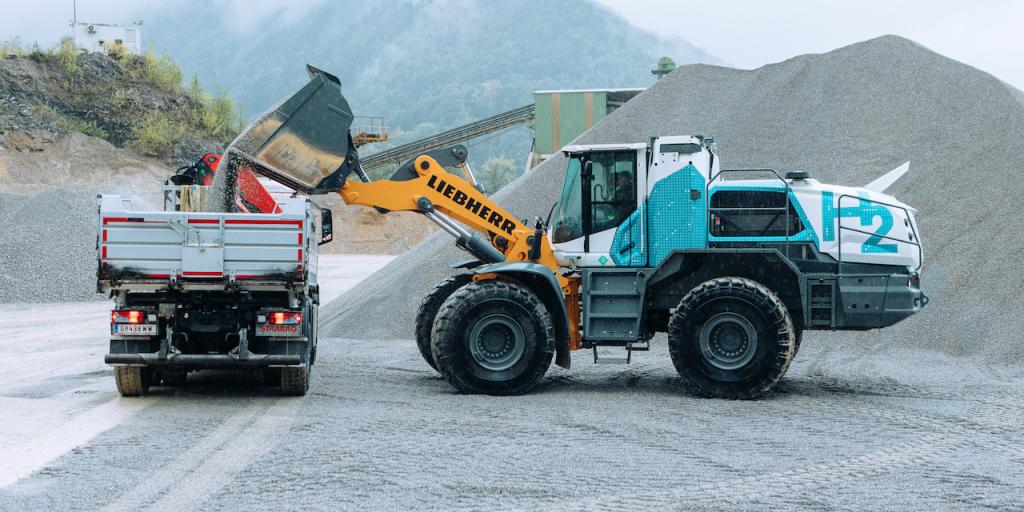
x: 209, y: 465
x: 27, y: 458
x: 813, y: 477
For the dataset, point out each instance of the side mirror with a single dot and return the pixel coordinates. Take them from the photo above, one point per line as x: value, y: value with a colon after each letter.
x: 326, y: 226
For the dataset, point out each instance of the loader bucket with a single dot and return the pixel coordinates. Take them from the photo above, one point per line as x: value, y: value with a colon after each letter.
x: 303, y: 141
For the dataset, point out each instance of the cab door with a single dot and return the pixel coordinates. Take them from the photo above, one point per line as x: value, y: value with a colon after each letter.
x: 598, y: 222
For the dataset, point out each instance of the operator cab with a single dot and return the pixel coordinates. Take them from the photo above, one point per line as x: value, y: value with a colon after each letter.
x: 603, y: 186
x: 599, y: 219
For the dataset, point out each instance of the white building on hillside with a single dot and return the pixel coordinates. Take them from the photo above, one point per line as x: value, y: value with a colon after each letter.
x: 102, y: 37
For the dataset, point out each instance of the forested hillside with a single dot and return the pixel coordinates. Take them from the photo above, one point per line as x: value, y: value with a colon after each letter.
x: 423, y: 65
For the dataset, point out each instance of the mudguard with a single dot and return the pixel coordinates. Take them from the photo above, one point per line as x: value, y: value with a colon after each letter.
x: 544, y: 284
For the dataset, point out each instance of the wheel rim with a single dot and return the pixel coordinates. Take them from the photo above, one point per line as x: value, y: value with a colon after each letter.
x: 497, y: 342
x: 728, y: 341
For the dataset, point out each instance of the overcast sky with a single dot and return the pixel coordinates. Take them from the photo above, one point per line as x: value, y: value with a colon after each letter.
x: 987, y: 34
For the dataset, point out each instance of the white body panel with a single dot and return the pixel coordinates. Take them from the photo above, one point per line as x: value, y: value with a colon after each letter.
x: 850, y: 224
x: 205, y: 247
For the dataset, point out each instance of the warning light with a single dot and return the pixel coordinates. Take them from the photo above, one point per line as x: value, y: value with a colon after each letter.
x: 285, y: 318
x: 127, y: 317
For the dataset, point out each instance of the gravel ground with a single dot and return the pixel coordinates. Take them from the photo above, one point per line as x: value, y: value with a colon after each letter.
x: 848, y: 116
x: 381, y: 431
x: 53, y: 257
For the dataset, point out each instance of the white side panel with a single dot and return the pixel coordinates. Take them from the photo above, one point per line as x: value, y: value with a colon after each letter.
x: 203, y: 245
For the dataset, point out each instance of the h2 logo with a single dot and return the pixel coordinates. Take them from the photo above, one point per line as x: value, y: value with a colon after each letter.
x: 866, y: 211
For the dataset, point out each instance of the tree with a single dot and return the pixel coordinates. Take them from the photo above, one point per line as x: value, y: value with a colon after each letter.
x: 497, y: 172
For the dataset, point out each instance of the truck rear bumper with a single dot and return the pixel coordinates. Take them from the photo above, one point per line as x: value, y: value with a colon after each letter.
x: 203, y: 360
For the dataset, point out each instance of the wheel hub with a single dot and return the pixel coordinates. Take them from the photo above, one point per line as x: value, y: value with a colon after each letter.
x: 497, y: 342
x: 728, y: 341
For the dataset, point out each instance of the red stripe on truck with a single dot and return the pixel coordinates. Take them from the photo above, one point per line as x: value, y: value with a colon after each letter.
x: 204, y: 221
x: 105, y: 235
x: 202, y: 274
x: 158, y: 276
x: 274, y: 221
x: 104, y: 252
x: 108, y: 220
x: 300, y: 254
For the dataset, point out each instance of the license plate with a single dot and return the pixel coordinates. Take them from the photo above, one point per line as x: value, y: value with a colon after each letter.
x: 134, y: 329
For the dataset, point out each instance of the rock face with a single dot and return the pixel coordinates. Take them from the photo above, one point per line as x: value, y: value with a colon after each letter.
x: 847, y: 116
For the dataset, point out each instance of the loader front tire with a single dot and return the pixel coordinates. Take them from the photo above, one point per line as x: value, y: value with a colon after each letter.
x: 493, y: 337
x: 428, y: 309
x: 133, y: 380
x: 731, y: 338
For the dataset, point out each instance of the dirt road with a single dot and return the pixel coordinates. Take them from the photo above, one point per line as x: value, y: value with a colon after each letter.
x: 851, y: 428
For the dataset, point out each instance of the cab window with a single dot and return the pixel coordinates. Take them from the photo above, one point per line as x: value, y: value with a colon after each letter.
x: 612, y: 187
x: 567, y: 223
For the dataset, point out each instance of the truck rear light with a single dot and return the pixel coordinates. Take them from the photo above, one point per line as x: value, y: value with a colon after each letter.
x: 284, y: 318
x: 127, y: 317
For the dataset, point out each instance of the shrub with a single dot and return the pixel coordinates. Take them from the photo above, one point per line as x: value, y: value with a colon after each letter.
x: 67, y: 55
x: 157, y: 134
x: 67, y: 123
x: 162, y: 72
x: 12, y: 46
x: 216, y: 115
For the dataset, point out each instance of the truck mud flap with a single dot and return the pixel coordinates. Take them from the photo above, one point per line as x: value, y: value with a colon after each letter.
x: 203, y: 360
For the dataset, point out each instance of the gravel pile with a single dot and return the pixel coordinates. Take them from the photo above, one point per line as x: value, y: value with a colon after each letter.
x: 847, y: 116
x: 49, y: 253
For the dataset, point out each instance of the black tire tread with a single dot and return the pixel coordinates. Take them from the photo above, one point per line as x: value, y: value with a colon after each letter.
x: 132, y: 380
x: 428, y: 309
x: 765, y: 300
x: 447, y: 336
x: 294, y: 380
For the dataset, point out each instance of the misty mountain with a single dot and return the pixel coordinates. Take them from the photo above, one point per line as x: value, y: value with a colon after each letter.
x: 424, y: 65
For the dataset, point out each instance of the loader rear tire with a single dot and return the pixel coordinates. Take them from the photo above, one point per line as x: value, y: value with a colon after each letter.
x: 493, y: 337
x: 294, y: 380
x: 428, y: 309
x: 731, y: 338
x: 133, y: 380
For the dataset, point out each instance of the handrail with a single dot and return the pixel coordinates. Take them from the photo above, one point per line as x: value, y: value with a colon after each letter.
x: 840, y: 227
x: 709, y: 209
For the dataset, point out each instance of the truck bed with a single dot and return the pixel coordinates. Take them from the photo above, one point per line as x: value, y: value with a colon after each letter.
x: 155, y: 248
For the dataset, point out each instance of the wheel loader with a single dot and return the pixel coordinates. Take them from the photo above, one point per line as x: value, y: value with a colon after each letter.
x: 733, y: 264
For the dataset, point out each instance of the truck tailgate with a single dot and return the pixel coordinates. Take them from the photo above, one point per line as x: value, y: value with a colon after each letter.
x: 159, y: 245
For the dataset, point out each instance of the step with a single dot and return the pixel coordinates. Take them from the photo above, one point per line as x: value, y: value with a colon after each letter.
x: 612, y: 360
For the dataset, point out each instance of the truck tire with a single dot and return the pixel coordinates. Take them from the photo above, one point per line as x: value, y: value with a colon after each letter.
x: 294, y: 380
x: 133, y: 380
x: 271, y: 377
x: 731, y: 338
x: 428, y: 311
x: 493, y: 337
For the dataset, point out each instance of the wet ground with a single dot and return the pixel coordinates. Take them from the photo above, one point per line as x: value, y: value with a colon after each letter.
x: 851, y: 428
